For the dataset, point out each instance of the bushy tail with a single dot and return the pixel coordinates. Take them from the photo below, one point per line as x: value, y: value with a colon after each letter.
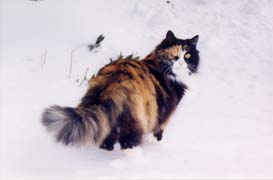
x: 76, y: 125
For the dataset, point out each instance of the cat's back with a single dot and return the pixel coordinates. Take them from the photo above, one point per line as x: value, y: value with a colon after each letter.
x: 121, y: 71
x: 124, y: 69
x: 122, y: 77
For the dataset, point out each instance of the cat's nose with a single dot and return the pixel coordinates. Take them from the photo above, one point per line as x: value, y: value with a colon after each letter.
x: 181, y: 63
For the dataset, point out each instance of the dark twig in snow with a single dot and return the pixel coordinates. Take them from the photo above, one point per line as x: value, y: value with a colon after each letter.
x: 45, y: 53
x: 128, y: 57
x: 71, y: 62
x: 84, y: 77
x: 43, y: 58
x: 97, y: 43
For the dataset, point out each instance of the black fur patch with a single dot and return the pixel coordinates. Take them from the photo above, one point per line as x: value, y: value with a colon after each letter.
x: 165, y: 44
x: 130, y: 133
x: 165, y: 106
x: 159, y: 135
x: 169, y: 41
x: 179, y: 89
x: 193, y: 61
x: 73, y: 115
x: 110, y: 141
x: 92, y: 96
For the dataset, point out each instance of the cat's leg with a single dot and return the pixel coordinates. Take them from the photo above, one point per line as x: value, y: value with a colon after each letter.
x: 129, y: 137
x: 158, y: 134
x: 159, y: 129
x: 111, y: 139
x: 130, y: 131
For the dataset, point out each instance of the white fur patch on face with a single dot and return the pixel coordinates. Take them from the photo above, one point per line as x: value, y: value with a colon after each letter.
x: 181, y: 71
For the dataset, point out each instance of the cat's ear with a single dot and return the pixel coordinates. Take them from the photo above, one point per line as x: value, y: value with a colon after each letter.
x: 194, y: 40
x: 170, y: 37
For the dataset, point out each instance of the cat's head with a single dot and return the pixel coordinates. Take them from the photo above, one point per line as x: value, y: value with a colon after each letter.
x: 176, y: 55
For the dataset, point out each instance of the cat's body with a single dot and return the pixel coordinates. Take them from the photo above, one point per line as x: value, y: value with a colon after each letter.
x: 126, y: 99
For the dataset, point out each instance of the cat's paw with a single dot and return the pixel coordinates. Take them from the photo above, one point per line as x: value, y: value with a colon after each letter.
x: 108, y: 147
x: 126, y: 145
x: 159, y: 135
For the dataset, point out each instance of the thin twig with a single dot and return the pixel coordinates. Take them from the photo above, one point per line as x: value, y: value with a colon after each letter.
x: 71, y: 59
x: 45, y: 53
x: 84, y: 77
x: 42, y: 60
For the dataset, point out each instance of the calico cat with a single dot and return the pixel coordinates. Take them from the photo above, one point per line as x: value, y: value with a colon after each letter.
x: 127, y: 98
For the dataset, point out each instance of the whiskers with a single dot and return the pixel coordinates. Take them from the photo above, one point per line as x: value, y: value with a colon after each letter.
x: 192, y: 68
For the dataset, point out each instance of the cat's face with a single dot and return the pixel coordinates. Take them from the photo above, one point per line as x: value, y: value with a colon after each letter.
x: 191, y: 54
x: 178, y: 56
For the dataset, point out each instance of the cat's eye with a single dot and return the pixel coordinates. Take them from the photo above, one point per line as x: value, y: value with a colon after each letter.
x: 188, y: 56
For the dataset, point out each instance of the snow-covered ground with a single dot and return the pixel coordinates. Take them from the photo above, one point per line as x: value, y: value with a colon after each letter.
x: 222, y: 129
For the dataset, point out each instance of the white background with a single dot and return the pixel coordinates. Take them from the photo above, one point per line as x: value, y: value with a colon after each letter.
x: 223, y: 127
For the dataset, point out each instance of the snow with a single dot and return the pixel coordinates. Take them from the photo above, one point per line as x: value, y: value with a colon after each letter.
x: 222, y: 129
